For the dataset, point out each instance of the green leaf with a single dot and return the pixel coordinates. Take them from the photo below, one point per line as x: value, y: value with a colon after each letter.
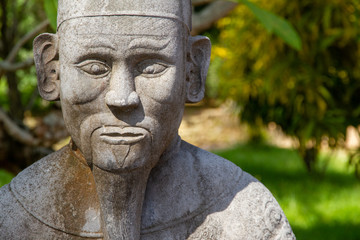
x: 275, y: 24
x: 50, y: 7
x: 325, y: 94
x: 328, y: 41
x: 5, y: 177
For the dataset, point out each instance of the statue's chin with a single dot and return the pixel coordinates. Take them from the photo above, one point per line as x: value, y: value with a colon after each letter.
x: 121, y: 157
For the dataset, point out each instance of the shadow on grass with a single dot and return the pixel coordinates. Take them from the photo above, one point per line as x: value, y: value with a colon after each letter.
x: 274, y: 165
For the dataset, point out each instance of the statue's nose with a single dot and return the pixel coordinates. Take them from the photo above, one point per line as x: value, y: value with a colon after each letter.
x: 124, y: 101
x: 122, y: 92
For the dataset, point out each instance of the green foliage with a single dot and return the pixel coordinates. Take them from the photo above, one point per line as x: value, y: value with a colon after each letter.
x: 276, y: 24
x: 3, y: 97
x: 22, y: 16
x: 317, y: 206
x: 313, y: 93
x: 5, y: 177
x: 50, y: 7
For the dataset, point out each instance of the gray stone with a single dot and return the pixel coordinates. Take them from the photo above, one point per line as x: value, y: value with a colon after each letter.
x: 123, y: 71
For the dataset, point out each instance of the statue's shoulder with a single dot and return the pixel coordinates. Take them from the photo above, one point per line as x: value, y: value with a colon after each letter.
x: 51, y: 193
x: 217, y: 172
x: 16, y: 222
x: 246, y: 208
x: 37, y: 171
x: 37, y: 178
x: 198, y: 188
x: 28, y: 180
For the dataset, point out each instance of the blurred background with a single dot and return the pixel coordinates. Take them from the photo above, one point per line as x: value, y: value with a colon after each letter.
x: 282, y: 101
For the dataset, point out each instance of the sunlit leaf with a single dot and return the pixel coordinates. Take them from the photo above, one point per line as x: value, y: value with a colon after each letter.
x: 275, y: 24
x: 50, y: 7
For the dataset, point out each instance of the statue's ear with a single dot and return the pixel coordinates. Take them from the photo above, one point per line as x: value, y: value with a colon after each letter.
x: 47, y: 66
x: 198, y: 59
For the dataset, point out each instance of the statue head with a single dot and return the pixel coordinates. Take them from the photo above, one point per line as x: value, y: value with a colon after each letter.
x: 123, y: 71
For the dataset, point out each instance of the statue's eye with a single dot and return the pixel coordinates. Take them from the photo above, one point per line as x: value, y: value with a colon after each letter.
x: 94, y: 67
x: 151, y: 68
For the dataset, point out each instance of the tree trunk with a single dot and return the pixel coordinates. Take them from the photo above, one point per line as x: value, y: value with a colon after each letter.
x: 16, y: 107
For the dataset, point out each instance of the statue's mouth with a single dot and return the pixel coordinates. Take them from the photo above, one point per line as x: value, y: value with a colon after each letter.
x: 122, y: 135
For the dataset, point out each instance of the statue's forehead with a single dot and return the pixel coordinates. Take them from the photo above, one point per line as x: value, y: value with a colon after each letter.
x: 179, y: 10
x: 91, y: 34
x: 124, y: 26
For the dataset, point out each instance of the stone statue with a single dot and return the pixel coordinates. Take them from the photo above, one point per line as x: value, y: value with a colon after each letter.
x: 123, y: 71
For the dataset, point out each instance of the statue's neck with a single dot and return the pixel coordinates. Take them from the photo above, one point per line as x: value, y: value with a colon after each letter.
x: 121, y: 197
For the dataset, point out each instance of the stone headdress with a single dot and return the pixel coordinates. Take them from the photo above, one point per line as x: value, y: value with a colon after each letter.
x: 179, y: 10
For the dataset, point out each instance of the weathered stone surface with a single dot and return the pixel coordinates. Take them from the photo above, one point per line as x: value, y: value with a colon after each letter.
x: 123, y: 71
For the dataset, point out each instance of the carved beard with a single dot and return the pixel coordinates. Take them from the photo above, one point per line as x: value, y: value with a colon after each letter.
x: 121, y: 168
x: 120, y: 157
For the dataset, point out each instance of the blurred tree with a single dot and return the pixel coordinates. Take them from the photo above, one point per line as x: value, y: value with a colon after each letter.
x: 21, y: 21
x: 312, y: 94
x: 207, y: 12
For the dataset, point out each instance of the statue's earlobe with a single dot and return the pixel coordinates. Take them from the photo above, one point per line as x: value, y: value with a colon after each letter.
x: 47, y: 66
x: 198, y: 60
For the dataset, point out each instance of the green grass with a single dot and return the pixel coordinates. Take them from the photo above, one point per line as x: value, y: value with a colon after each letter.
x: 318, y: 206
x: 5, y: 177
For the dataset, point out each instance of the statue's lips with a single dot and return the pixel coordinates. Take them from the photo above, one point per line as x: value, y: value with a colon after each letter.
x: 118, y: 135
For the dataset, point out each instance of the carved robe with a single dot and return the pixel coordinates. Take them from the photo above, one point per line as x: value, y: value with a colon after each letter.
x: 191, y: 194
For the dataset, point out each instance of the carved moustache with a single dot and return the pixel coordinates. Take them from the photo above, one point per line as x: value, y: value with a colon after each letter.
x: 111, y: 130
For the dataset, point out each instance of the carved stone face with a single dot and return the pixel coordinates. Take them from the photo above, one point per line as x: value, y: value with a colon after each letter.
x: 122, y: 87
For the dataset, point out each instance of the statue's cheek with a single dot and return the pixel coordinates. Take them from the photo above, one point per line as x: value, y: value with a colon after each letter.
x: 78, y: 88
x: 166, y: 88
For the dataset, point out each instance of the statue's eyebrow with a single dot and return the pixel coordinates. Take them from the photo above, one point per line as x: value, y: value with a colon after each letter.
x: 100, y: 44
x: 149, y: 43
